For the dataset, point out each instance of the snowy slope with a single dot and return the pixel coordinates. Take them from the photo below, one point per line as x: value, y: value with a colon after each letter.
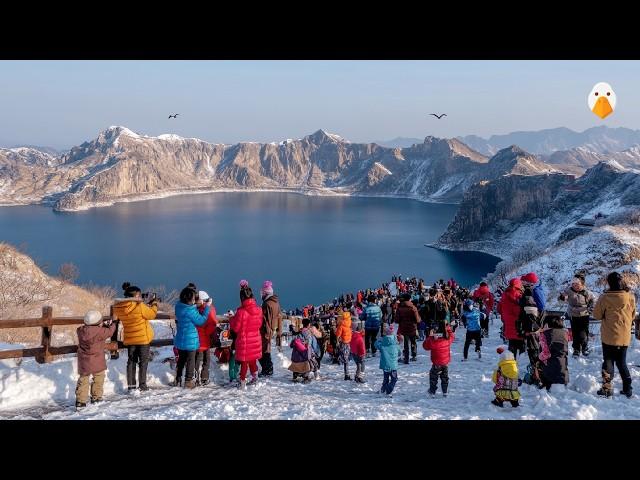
x: 47, y: 391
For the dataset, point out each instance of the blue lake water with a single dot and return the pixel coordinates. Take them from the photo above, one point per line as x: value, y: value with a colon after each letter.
x: 312, y: 248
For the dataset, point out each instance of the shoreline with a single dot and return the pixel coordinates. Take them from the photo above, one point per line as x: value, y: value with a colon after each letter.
x: 175, y: 193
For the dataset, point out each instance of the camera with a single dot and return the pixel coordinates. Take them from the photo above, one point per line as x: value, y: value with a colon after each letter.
x: 150, y: 297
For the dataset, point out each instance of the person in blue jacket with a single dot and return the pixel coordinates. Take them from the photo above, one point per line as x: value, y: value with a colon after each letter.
x: 389, y: 352
x: 472, y: 319
x: 187, y: 340
x: 372, y: 316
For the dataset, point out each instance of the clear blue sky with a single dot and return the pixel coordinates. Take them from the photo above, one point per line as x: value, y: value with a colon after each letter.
x: 63, y: 103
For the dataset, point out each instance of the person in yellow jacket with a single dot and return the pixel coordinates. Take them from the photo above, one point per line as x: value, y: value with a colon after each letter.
x: 343, y: 334
x: 134, y: 315
x: 506, y: 379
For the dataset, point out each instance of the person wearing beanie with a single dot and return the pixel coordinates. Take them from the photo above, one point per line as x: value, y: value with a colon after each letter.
x: 615, y: 308
x: 505, y: 378
x: 91, y: 362
x: 205, y: 332
x: 529, y: 323
x: 134, y: 315
x: 246, y: 323
x: 271, y: 325
x: 509, y: 311
x: 581, y: 302
x: 389, y: 351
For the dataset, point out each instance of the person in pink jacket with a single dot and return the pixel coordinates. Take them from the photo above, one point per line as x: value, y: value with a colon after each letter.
x: 246, y: 324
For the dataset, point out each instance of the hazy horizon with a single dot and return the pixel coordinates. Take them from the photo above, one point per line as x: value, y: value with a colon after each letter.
x: 60, y: 104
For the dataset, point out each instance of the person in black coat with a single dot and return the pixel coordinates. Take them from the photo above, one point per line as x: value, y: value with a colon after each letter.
x: 554, y: 351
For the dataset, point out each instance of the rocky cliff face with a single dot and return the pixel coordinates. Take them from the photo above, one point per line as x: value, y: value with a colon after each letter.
x: 121, y: 165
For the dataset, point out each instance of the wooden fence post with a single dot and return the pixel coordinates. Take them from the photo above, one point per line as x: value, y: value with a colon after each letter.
x: 47, y: 316
x: 114, y: 338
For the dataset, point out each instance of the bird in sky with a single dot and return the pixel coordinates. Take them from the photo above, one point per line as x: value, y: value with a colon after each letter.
x: 174, y: 116
x: 438, y: 116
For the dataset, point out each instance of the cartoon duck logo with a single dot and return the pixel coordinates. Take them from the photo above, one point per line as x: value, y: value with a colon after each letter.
x: 602, y: 100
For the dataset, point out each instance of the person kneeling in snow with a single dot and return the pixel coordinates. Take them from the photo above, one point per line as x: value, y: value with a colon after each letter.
x: 506, y: 379
x: 91, y: 362
x: 439, y: 343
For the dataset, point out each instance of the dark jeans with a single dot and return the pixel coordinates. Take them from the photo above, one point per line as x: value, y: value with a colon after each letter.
x: 470, y: 337
x: 618, y: 356
x: 516, y: 347
x: 188, y: 358
x: 389, y: 382
x: 370, y: 340
x: 441, y: 371
x: 410, y: 339
x: 580, y: 333
x: 137, y: 355
x: 203, y: 358
x: 266, y: 364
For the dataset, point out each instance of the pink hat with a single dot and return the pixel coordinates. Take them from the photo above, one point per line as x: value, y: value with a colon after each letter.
x: 530, y: 278
x: 244, y: 283
x: 267, y: 288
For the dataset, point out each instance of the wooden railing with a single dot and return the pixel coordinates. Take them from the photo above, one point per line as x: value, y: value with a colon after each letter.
x: 46, y: 352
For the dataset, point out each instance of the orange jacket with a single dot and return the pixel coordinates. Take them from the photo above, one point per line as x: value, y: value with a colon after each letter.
x: 343, y: 332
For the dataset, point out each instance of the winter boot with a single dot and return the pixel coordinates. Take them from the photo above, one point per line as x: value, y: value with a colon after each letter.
x: 253, y: 381
x: 177, y: 382
x: 576, y: 353
x: 190, y: 384
x: 132, y: 388
x: 498, y: 403
x: 347, y: 377
x: 413, y: 359
x: 204, y: 382
x: 96, y: 400
x: 515, y: 403
x: 80, y: 405
x: 360, y: 379
x: 627, y: 393
x: 143, y: 387
x: 586, y: 352
x: 605, y: 393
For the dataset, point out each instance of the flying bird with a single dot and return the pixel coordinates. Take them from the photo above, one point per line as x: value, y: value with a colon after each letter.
x: 438, y: 116
x: 174, y: 116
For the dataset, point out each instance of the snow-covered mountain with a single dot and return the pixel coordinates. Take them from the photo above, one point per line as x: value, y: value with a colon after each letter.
x: 120, y: 165
x: 531, y: 221
x: 545, y: 142
x: 580, y: 159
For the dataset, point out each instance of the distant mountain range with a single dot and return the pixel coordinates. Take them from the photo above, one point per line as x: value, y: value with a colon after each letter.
x: 120, y: 165
x: 545, y: 142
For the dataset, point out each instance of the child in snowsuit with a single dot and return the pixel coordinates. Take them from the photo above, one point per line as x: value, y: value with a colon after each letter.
x: 358, y: 353
x: 439, y: 343
x: 506, y: 379
x: 311, y: 339
x: 91, y: 362
x: 389, y: 351
x: 300, y: 354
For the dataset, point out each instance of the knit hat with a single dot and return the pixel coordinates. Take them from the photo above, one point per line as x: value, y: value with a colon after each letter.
x: 92, y: 317
x: 244, y: 283
x: 506, y: 355
x: 502, y: 348
x: 204, y: 296
x: 267, y: 288
x: 530, y: 278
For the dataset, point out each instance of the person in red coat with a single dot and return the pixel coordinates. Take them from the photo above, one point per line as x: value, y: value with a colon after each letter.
x: 246, y: 324
x: 509, y: 310
x: 440, y: 346
x: 483, y: 294
x: 358, y: 353
x: 205, y: 332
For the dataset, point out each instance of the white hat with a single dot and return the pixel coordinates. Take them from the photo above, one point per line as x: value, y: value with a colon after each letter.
x: 507, y: 355
x: 92, y: 317
x: 204, y: 296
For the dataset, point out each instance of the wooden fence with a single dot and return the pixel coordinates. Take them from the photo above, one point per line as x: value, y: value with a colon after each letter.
x: 45, y: 352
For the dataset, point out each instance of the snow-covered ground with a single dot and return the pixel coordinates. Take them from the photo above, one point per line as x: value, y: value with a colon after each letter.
x: 47, y: 391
